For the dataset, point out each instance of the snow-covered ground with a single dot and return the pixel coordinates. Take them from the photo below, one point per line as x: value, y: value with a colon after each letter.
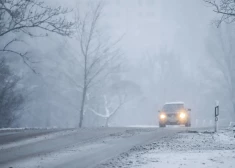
x: 188, y: 149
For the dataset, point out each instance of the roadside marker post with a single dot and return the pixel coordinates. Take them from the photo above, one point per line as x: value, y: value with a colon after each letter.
x: 216, y: 115
x: 234, y: 130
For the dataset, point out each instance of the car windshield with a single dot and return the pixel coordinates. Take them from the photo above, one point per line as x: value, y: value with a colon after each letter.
x: 172, y: 107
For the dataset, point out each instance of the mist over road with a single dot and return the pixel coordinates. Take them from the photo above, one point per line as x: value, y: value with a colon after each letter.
x: 86, y: 147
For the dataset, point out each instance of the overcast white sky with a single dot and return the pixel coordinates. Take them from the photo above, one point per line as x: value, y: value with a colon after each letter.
x: 179, y: 25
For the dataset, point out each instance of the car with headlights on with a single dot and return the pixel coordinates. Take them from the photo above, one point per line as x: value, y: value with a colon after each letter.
x: 174, y: 113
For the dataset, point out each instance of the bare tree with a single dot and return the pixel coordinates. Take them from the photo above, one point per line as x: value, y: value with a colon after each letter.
x: 96, y: 53
x: 111, y: 107
x: 225, y: 41
x: 226, y: 8
x: 24, y: 16
x: 10, y: 98
x: 117, y: 93
x: 223, y: 56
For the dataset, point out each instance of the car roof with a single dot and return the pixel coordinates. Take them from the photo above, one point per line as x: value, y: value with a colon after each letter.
x: 174, y: 103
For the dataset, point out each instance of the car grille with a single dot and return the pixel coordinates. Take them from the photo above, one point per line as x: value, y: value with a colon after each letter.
x: 171, y: 115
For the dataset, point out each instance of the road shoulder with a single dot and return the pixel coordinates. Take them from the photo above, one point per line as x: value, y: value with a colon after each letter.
x: 187, y: 149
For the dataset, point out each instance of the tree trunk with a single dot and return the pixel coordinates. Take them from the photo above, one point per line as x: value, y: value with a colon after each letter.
x: 233, y: 110
x: 82, y: 107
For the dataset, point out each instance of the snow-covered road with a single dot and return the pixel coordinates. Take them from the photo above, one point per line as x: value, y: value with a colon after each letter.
x: 78, y: 148
x: 117, y: 147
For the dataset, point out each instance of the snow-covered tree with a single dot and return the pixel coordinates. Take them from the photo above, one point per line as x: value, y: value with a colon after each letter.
x: 111, y: 101
x: 111, y: 106
x: 96, y: 52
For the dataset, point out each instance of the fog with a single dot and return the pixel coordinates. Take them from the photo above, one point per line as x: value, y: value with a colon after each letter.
x: 167, y: 51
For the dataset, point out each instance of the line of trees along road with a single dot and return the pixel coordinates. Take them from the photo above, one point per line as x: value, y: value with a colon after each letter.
x: 97, y: 58
x: 83, y: 78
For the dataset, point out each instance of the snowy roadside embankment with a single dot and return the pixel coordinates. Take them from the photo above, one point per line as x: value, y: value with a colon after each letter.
x: 26, y: 128
x: 189, y: 149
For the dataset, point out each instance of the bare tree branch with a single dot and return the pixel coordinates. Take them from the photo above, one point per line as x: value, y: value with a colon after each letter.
x: 98, y: 114
x: 109, y: 109
x: 27, y: 14
x: 23, y: 16
x: 226, y: 8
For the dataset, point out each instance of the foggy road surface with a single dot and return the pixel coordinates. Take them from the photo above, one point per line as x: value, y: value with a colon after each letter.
x: 7, y: 136
x: 74, y: 147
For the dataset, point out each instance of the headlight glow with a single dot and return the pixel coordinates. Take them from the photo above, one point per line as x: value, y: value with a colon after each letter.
x: 182, y: 115
x: 162, y: 116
